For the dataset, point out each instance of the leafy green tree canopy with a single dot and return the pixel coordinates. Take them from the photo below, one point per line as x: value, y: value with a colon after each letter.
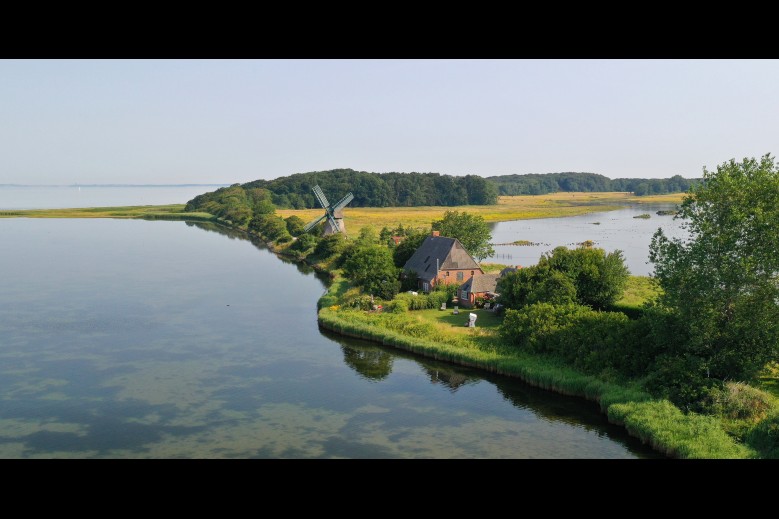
x: 723, y: 281
x: 372, y: 268
x: 472, y: 231
x: 295, y: 225
x: 406, y: 248
x: 599, y: 277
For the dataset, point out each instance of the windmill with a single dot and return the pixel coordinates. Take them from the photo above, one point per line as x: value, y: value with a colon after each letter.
x: 333, y: 213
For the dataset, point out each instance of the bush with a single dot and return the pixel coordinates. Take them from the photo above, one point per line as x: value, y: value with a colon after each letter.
x: 396, y: 306
x: 437, y: 298
x: 738, y: 401
x: 330, y: 245
x: 295, y: 225
x: 305, y: 243
x: 765, y: 437
x: 593, y: 341
x: 357, y: 301
x: 269, y: 226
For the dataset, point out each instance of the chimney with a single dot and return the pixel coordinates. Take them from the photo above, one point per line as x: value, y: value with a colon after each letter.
x: 435, y: 233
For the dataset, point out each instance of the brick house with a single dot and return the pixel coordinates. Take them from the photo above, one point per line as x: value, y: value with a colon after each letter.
x: 441, y: 260
x: 478, y: 286
x: 481, y: 286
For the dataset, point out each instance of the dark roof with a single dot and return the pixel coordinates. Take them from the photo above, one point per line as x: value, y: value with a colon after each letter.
x: 483, y: 283
x: 507, y: 270
x: 450, y: 253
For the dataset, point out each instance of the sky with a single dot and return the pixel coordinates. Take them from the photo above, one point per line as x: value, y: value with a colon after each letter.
x: 219, y: 121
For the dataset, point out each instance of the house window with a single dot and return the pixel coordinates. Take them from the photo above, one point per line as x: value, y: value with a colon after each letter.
x: 425, y: 287
x: 471, y: 273
x: 447, y: 273
x: 459, y: 276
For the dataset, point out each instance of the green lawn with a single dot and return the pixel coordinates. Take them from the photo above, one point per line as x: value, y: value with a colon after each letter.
x: 486, y: 319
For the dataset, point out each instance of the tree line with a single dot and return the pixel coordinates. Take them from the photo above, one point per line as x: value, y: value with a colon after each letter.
x: 379, y: 189
x: 239, y: 201
x: 541, y: 184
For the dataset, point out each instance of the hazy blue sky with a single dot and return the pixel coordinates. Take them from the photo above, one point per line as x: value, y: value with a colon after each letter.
x: 226, y: 121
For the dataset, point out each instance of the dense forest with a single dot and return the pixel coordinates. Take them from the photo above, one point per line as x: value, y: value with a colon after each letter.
x: 379, y: 189
x: 541, y: 184
x: 239, y: 202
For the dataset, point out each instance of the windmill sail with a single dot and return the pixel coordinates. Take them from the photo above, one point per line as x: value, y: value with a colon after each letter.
x: 342, y: 203
x: 313, y: 223
x: 332, y: 212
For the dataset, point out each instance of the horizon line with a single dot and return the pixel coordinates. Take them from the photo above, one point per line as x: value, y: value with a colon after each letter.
x: 113, y: 185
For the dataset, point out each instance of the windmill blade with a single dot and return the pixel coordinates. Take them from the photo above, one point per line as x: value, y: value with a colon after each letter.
x: 320, y: 195
x: 342, y: 203
x: 313, y: 223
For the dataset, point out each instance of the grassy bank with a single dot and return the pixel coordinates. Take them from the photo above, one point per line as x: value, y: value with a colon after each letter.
x: 439, y: 335
x: 158, y: 212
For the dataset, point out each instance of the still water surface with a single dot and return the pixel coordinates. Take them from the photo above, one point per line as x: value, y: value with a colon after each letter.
x: 609, y: 230
x: 139, y: 339
x: 62, y: 197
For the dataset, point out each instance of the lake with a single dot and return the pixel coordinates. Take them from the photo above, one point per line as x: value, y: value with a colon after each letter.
x: 609, y: 230
x: 169, y: 339
x: 63, y: 197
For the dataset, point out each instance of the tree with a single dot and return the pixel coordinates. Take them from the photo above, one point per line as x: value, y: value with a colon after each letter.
x: 722, y: 283
x: 372, y: 268
x: 295, y: 225
x: 470, y: 229
x: 367, y: 237
x: 412, y: 240
x: 599, y: 277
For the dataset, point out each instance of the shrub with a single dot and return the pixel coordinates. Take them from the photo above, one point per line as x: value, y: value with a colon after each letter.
x: 330, y: 245
x: 295, y: 225
x: 437, y: 298
x: 739, y: 401
x: 305, y: 243
x: 765, y: 437
x: 396, y: 306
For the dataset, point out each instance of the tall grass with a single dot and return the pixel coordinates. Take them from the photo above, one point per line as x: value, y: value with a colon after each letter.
x: 662, y: 425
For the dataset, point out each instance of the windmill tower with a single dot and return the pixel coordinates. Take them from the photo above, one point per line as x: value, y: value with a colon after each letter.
x: 333, y: 213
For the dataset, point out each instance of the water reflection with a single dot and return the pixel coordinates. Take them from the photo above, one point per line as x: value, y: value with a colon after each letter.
x: 235, y: 234
x: 371, y: 362
x: 549, y: 407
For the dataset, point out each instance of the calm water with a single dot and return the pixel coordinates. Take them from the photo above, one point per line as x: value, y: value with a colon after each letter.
x: 139, y: 339
x: 609, y: 230
x: 61, y: 197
